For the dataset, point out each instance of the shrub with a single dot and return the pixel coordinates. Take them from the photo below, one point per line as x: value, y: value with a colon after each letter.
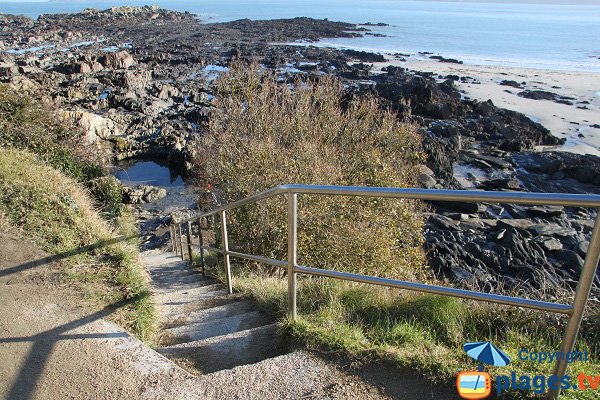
x: 264, y: 133
x: 26, y: 124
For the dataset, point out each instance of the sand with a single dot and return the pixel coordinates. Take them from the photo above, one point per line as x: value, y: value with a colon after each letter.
x: 566, y: 121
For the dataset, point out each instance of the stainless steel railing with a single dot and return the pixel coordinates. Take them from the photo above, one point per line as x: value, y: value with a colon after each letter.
x: 574, y: 311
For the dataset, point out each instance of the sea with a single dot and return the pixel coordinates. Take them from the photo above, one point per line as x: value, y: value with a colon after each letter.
x: 544, y: 36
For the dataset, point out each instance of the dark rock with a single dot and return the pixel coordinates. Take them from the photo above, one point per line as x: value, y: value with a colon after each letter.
x: 546, y: 211
x: 582, y: 248
x: 538, y: 95
x: 511, y: 83
x: 569, y: 260
x: 501, y: 184
x: 364, y: 56
x: 443, y: 222
x: 446, y: 60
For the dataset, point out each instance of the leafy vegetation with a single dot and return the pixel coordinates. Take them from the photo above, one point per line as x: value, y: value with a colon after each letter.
x: 27, y: 124
x: 265, y: 133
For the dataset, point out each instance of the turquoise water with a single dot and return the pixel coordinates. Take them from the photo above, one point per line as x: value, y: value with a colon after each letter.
x: 563, y: 37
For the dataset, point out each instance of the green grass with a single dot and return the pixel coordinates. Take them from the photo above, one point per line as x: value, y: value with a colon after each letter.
x: 100, y: 259
x: 421, y: 332
x: 26, y: 124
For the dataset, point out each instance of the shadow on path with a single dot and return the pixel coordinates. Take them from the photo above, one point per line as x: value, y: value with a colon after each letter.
x: 43, y: 344
x: 62, y: 256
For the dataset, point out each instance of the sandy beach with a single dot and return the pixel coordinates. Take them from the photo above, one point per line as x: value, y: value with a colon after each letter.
x: 573, y: 122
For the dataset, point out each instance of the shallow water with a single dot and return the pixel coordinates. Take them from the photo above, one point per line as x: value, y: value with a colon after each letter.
x: 154, y: 173
x: 136, y: 172
x: 559, y: 37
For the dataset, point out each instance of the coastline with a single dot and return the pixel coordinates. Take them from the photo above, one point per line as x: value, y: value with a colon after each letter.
x: 573, y: 122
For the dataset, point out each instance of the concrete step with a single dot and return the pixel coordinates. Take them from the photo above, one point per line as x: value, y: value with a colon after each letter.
x: 217, y: 327
x: 187, y: 294
x: 170, y: 306
x: 218, y: 311
x: 228, y: 351
x: 157, y: 258
x: 178, y: 278
x: 189, y: 289
x: 214, y: 300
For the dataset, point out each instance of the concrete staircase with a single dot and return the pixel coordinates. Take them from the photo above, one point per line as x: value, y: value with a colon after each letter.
x: 204, y: 329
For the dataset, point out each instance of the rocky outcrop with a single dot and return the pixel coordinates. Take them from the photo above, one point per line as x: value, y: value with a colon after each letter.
x: 94, y: 126
x: 513, y: 253
x: 143, y: 194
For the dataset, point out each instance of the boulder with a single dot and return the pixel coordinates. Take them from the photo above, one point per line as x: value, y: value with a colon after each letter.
x: 143, y: 194
x: 95, y: 126
x: 117, y: 60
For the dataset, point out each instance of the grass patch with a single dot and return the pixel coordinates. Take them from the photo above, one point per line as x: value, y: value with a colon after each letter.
x: 26, y: 124
x: 57, y: 213
x: 421, y: 332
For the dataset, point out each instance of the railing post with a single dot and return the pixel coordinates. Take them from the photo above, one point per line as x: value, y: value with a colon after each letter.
x: 201, y: 244
x: 292, y: 252
x: 584, y: 286
x: 226, y: 250
x: 188, y: 235
x: 173, y: 239
x: 178, y: 227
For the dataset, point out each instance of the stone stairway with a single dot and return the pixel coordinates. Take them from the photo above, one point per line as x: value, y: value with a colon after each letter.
x: 204, y: 329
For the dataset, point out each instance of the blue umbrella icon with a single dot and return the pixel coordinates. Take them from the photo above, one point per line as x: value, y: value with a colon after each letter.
x: 487, y: 353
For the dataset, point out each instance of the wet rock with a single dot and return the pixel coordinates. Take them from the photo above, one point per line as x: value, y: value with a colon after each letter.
x: 143, y: 194
x: 446, y: 60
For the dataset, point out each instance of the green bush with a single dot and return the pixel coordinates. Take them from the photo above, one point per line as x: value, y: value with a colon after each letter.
x: 264, y: 133
x: 108, y: 192
x: 26, y: 124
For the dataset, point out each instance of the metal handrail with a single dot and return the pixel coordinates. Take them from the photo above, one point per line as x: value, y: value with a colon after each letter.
x: 574, y: 310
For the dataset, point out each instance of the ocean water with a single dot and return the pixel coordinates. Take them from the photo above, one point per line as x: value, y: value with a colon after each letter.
x: 558, y: 37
